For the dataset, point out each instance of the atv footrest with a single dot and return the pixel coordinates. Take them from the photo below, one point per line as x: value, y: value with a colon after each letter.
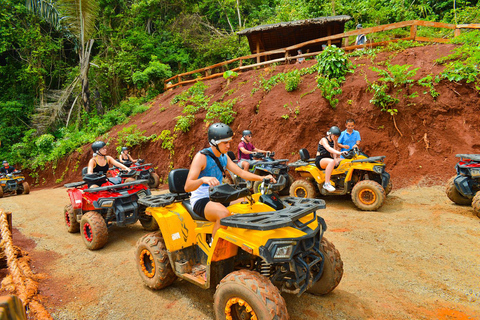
x: 296, y: 208
x: 163, y: 200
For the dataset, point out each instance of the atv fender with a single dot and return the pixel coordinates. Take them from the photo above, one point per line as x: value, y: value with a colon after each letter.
x: 75, y: 196
x: 463, y: 186
x: 312, y: 171
x: 385, y: 179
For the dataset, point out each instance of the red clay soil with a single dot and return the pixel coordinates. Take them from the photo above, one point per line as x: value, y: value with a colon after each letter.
x: 421, y: 151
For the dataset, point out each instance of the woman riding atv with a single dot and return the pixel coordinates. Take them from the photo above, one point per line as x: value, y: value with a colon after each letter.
x: 328, y: 156
x: 125, y: 157
x: 100, y: 162
x: 207, y: 170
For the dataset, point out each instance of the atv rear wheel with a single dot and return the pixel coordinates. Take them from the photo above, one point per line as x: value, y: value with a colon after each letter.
x: 153, y: 263
x: 1, y: 192
x: 94, y: 230
x: 303, y: 189
x: 332, y: 269
x: 368, y: 195
x: 26, y: 187
x: 153, y: 180
x: 245, y: 294
x: 286, y: 190
x: 476, y: 204
x: 70, y: 220
x: 454, y: 195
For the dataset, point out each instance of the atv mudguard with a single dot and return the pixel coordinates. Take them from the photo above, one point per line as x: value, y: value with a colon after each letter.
x: 463, y: 186
x: 76, y: 197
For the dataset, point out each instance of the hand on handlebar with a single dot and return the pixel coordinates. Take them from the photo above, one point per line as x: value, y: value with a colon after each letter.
x: 269, y: 178
x: 211, y: 181
x: 344, y: 153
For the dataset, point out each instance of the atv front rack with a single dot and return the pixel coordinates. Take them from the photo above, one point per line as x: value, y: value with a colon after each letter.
x: 116, y: 186
x: 74, y: 184
x: 163, y: 200
x: 474, y: 157
x: 370, y: 159
x: 296, y: 208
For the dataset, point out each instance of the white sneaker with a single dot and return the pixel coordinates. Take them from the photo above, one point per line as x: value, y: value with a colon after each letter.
x: 327, y: 186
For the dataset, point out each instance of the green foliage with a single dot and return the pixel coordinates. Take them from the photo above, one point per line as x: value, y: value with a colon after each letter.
x: 153, y: 75
x: 292, y: 80
x: 195, y: 94
x: 333, y: 63
x: 167, y: 140
x: 401, y: 45
x: 184, y: 122
x: 330, y: 87
x: 230, y: 74
x: 221, y: 111
x: 428, y: 83
x: 131, y: 136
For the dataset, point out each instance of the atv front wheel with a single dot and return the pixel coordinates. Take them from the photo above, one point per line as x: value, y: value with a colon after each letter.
x: 454, y: 195
x: 332, y: 269
x: 26, y: 187
x: 245, y: 294
x: 70, y: 220
x: 476, y: 204
x: 94, y: 230
x: 153, y: 263
x: 389, y: 188
x: 154, y: 180
x: 303, y: 189
x: 368, y: 195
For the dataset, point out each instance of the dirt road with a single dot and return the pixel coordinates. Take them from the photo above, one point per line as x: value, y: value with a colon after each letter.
x: 417, y: 258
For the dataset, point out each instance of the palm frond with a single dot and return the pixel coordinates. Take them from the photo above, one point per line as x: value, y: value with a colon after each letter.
x: 46, y: 10
x: 80, y: 16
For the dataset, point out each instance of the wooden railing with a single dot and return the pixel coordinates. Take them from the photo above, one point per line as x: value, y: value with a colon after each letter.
x: 179, y: 79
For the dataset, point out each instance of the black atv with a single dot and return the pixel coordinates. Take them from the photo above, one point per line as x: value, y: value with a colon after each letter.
x: 262, y: 165
x: 463, y: 188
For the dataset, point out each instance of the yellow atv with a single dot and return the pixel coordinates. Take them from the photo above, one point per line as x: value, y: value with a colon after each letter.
x: 267, y: 246
x: 12, y: 183
x: 362, y: 176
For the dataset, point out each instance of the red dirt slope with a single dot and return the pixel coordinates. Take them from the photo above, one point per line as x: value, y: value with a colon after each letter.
x: 432, y: 130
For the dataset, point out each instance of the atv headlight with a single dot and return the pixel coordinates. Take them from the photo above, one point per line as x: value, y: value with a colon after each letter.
x: 281, y: 250
x: 378, y: 169
x: 106, y: 203
x: 276, y: 171
x: 475, y: 172
x: 20, y: 179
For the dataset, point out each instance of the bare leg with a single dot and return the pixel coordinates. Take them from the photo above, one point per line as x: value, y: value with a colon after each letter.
x: 245, y: 165
x: 328, y: 164
x: 214, y: 212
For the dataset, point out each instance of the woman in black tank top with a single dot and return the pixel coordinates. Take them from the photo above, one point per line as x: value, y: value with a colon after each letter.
x: 328, y: 156
x: 125, y: 157
x: 100, y: 162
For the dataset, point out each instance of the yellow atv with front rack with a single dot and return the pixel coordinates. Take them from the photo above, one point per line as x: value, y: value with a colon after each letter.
x: 363, y: 177
x: 13, y: 183
x: 267, y: 246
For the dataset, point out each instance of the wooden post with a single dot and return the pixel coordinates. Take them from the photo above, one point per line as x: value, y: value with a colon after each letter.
x: 329, y: 33
x: 413, y: 32
x: 346, y: 42
x: 258, y: 51
x: 457, y: 32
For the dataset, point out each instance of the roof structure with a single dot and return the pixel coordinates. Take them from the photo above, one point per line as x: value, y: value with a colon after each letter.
x: 284, y: 34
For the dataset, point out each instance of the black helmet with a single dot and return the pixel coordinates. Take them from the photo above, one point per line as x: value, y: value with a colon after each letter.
x: 219, y: 132
x: 97, y: 145
x: 334, y: 130
x: 246, y: 133
x: 124, y: 148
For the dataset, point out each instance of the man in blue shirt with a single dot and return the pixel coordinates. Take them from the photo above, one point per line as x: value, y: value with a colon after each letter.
x: 349, y: 138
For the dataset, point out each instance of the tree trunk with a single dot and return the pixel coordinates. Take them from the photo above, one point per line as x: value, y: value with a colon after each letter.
x: 84, y: 67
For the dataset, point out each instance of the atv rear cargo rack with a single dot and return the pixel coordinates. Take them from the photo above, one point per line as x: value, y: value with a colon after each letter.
x: 296, y: 208
x: 474, y: 157
x: 163, y: 200
x: 117, y: 186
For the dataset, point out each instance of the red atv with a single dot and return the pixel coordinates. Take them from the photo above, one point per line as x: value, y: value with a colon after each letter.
x: 94, y: 210
x: 143, y: 172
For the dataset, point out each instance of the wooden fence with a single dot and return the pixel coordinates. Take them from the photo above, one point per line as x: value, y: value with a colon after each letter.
x: 208, y: 72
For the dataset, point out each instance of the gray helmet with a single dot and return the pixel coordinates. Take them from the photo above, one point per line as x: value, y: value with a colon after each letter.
x: 246, y: 133
x: 97, y: 145
x: 334, y: 130
x: 124, y: 148
x: 359, y: 26
x: 219, y: 132
x: 4, y: 161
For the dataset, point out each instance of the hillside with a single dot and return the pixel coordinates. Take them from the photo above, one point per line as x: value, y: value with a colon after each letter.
x: 422, y: 150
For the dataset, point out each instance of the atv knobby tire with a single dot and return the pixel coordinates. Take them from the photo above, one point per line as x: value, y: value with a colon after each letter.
x: 368, y: 195
x: 94, y: 230
x: 286, y: 190
x: 153, y: 180
x: 332, y: 269
x: 152, y: 261
x: 26, y: 188
x: 476, y: 204
x: 1, y: 192
x: 148, y: 222
x: 303, y: 189
x: 454, y: 195
x: 389, y: 187
x: 70, y: 220
x: 243, y: 294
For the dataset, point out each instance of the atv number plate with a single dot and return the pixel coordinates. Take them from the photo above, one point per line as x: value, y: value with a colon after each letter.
x: 475, y: 172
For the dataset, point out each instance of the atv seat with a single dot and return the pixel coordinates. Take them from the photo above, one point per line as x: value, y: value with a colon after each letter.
x: 305, y: 155
x: 176, y: 185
